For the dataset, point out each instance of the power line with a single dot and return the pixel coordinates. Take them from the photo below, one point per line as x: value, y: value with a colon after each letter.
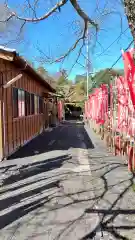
x: 108, y: 46
x: 121, y: 55
x: 87, y: 62
x: 118, y: 58
x: 113, y: 42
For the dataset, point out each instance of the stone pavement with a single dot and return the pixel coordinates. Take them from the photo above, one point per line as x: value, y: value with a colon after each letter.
x: 60, y: 187
x: 44, y: 195
x: 114, y: 192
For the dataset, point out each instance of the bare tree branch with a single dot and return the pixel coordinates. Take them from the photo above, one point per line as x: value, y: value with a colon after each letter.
x: 74, y: 45
x: 61, y: 3
x: 48, y: 59
x: 78, y: 56
x: 53, y: 10
x: 82, y: 14
x: 32, y: 8
x: 74, y: 3
x: 80, y: 35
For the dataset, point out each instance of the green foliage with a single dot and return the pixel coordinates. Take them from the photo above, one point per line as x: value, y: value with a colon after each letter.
x: 82, y: 81
x: 42, y: 71
x: 72, y: 92
x: 77, y: 92
x: 62, y: 80
x: 82, y: 86
x: 80, y: 78
x: 105, y: 76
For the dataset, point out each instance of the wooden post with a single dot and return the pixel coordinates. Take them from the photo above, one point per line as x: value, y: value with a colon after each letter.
x: 1, y: 132
x: 133, y: 163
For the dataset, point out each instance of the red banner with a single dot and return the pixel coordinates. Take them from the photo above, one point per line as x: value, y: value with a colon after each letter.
x: 131, y: 117
x: 102, y: 109
x: 124, y: 117
x: 96, y: 107
x: 111, y: 106
x: 122, y: 98
x: 129, y: 70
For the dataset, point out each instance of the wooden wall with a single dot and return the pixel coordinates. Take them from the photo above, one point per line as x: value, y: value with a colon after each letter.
x: 16, y: 131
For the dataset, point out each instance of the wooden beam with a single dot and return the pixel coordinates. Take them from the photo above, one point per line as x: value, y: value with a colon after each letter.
x: 12, y: 81
x: 70, y: 103
x: 1, y: 133
x: 7, y: 56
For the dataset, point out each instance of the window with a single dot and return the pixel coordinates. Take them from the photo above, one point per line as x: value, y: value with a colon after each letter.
x: 40, y: 105
x: 21, y: 103
x: 18, y: 103
x: 27, y: 104
x: 36, y: 104
x: 15, y: 102
x: 32, y: 103
x: 36, y: 101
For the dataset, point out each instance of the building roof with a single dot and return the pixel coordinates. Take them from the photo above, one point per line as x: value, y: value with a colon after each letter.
x: 13, y: 56
x: 7, y: 49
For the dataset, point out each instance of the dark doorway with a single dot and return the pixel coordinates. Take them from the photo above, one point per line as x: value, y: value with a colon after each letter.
x: 73, y: 112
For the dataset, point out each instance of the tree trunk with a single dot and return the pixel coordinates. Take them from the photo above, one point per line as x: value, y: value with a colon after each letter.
x: 130, y: 13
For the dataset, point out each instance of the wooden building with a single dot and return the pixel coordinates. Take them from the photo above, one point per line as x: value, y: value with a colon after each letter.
x: 24, y: 98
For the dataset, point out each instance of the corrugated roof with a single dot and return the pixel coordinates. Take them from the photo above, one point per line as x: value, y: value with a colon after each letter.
x: 21, y: 62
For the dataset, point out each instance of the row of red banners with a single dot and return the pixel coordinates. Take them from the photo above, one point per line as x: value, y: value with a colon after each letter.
x: 123, y: 119
x: 96, y: 107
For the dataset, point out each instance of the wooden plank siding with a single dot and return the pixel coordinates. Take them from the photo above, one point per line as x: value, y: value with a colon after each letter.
x: 17, y: 131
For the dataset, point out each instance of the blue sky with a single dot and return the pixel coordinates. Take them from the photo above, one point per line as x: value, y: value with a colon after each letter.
x: 56, y: 34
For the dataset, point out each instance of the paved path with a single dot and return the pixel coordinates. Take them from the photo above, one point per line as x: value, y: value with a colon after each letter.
x: 46, y: 188
x: 114, y: 191
x: 60, y: 187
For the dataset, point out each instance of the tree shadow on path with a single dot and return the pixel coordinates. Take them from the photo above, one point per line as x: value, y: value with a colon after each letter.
x: 107, y: 215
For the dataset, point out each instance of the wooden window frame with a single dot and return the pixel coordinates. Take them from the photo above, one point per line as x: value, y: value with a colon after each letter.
x: 36, y: 103
x: 27, y: 103
x: 15, y: 110
x: 22, y: 115
x: 17, y: 115
x: 32, y: 112
x: 29, y: 108
x: 41, y: 107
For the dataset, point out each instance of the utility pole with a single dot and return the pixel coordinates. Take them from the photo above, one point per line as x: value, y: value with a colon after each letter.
x: 87, y: 61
